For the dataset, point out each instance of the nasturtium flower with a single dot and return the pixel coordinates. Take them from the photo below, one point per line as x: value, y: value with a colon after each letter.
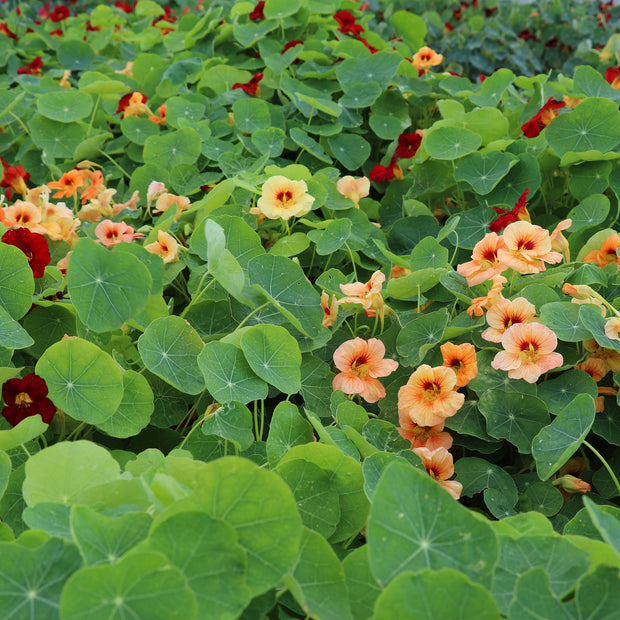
x: 516, y: 214
x: 382, y: 173
x: 14, y: 177
x: 431, y: 437
x: 330, y: 310
x: 485, y: 263
x: 612, y: 328
x: 440, y: 466
x: 559, y: 243
x: 60, y: 13
x: 283, y: 199
x: 594, y: 366
x: 367, y: 294
x: 542, y: 118
x: 607, y: 253
x: 33, y: 245
x: 32, y: 68
x: 133, y: 104
x: 7, y: 32
x: 26, y: 397
x: 257, y: 14
x: 166, y: 200
x: 110, y: 233
x: 96, y: 185
x: 252, y: 87
x: 462, y: 359
x: 429, y: 396
x: 570, y: 484
x: 23, y: 213
x: 529, y: 351
x: 68, y: 184
x: 408, y: 144
x: 479, y: 304
x: 612, y: 76
x: 166, y: 246
x: 361, y: 362
x: 425, y: 58
x: 354, y: 189
x: 347, y: 25
x: 506, y: 313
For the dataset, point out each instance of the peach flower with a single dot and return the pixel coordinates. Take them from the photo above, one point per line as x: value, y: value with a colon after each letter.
x: 110, y: 233
x: 479, y: 304
x: 353, y: 188
x: 528, y: 248
x: 368, y: 294
x: 425, y: 58
x: 528, y: 351
x: 165, y: 201
x: 166, y: 246
x: 23, y: 214
x: 612, y: 328
x: 429, y: 397
x: 440, y: 466
x: 283, y: 199
x: 361, y: 362
x: 96, y: 185
x: 462, y: 359
x: 607, y: 254
x: 68, y: 184
x: 431, y: 437
x: 399, y: 272
x: 484, y: 264
x: 594, y: 366
x: 330, y: 311
x: 506, y: 313
x: 559, y: 243
x: 610, y: 357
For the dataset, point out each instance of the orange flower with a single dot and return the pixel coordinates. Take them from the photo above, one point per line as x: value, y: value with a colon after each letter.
x: 429, y: 397
x: 110, y: 233
x: 462, y: 359
x: 484, y: 264
x: 352, y: 188
x: 594, y: 366
x: 283, y: 199
x: 425, y: 58
x: 330, y: 311
x: 68, y: 184
x: 493, y: 296
x: 165, y: 201
x: 368, y: 294
x: 361, y: 362
x: 559, y: 243
x: 166, y: 246
x: 528, y: 351
x: 440, y: 466
x: 570, y: 484
x: 506, y: 313
x: 431, y: 437
x: 528, y: 248
x: 399, y: 272
x: 610, y: 357
x: 607, y: 254
x: 95, y: 188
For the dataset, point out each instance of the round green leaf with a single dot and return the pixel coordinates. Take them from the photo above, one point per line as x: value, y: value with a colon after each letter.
x: 75, y: 55
x: 477, y: 474
x: 287, y: 429
x: 450, y: 142
x: 232, y: 421
x: 135, y: 410
x: 590, y: 177
x: 269, y: 141
x: 107, y: 289
x: 273, y: 354
x: 432, y: 594
x: 525, y: 174
x: 592, y: 210
x: 420, y: 335
x: 363, y: 587
x: 76, y: 465
x: 424, y: 528
x: 16, y: 281
x: 349, y: 149
x: 559, y: 392
x: 512, y: 416
x: 141, y: 585
x: 169, y: 348
x: 65, y: 106
x: 47, y: 325
x: 182, y: 146
x: 483, y: 171
x: 564, y: 318
x: 12, y: 334
x: 25, y: 431
x: 594, y: 125
x: 291, y: 245
x: 138, y: 130
x: 82, y: 380
x: 251, y: 114
x: 409, y: 27
x: 533, y: 598
x: 55, y: 139
x: 228, y: 376
x: 207, y: 552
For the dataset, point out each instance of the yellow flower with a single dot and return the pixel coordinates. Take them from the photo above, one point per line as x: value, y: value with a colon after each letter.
x: 425, y: 58
x: 283, y: 198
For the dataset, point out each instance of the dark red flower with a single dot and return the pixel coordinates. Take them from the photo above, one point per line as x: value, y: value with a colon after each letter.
x: 26, y: 397
x: 257, y: 14
x: 7, y: 32
x: 91, y: 28
x: 124, y: 101
x: 526, y: 34
x: 60, y: 13
x: 56, y: 33
x: 448, y: 27
x: 33, y: 245
x: 347, y: 23
x: 44, y: 13
x: 386, y: 173
x: 408, y: 145
x: 488, y: 12
x: 123, y: 6
x: 613, y: 77
x: 287, y: 46
x: 542, y: 118
x: 371, y: 48
x: 252, y: 87
x: 166, y: 17
x: 482, y: 78
x: 32, y: 68
x: 14, y: 177
x: 519, y: 212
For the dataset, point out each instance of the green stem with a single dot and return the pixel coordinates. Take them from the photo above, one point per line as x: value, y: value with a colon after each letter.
x: 92, y: 116
x: 250, y: 315
x: 23, y: 447
x: 346, y: 245
x: 605, y: 463
x: 196, y: 425
x: 115, y: 163
x: 19, y: 120
x: 200, y: 294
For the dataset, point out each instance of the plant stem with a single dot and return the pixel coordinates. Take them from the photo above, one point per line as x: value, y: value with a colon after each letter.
x: 605, y: 463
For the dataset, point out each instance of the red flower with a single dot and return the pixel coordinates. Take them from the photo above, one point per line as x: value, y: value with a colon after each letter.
x: 448, y: 27
x: 290, y: 44
x: 33, y: 245
x: 14, y: 177
x: 60, y: 13
x: 123, y: 6
x: 91, y: 28
x: 7, y: 32
x: 519, y: 212
x: 408, y: 145
x: 613, y: 77
x: 26, y: 397
x: 56, y: 33
x: 44, y: 13
x: 124, y: 100
x: 382, y: 173
x: 542, y: 118
x: 167, y: 17
x: 32, y: 68
x: 257, y: 14
x: 252, y: 87
x: 488, y: 12
x: 347, y: 23
x: 371, y: 48
x: 526, y: 34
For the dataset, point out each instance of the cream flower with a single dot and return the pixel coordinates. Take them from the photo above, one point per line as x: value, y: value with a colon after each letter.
x: 284, y: 199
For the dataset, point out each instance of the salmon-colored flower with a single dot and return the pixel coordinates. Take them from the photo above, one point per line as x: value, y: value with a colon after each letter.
x: 23, y: 214
x: 610, y: 357
x: 612, y: 328
x: 330, y: 310
x: 110, y: 233
x: 166, y: 246
x: 361, y: 362
x: 425, y: 58
x: 429, y: 397
x: 368, y: 294
x: 399, y: 272
x: 165, y: 201
x: 354, y: 189
x: 528, y: 248
x: 583, y: 294
x: 68, y: 184
x: 559, y: 243
x: 485, y: 263
x: 528, y: 351
x: 506, y: 313
x: 431, y: 437
x: 570, y: 484
x: 607, y: 254
x: 594, y: 366
x: 479, y: 304
x: 462, y: 359
x: 283, y: 199
x: 440, y: 466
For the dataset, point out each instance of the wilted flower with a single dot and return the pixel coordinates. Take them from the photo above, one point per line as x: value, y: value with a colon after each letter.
x: 479, y: 304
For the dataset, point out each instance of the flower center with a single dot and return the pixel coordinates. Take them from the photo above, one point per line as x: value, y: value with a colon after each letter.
x: 360, y: 366
x: 529, y: 352
x: 431, y: 390
x: 525, y: 244
x: 284, y: 197
x: 23, y: 400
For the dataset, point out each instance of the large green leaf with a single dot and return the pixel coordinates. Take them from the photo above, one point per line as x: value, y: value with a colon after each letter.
x: 222, y: 265
x: 420, y: 335
x: 16, y: 281
x: 534, y: 598
x: 83, y: 380
x: 182, y: 146
x: 483, y: 171
x: 46, y: 134
x: 107, y: 289
x: 286, y: 429
x: 65, y: 106
x: 12, y: 334
x: 350, y: 150
x: 565, y: 319
x: 607, y: 525
x: 451, y: 142
x: 363, y: 587
x: 232, y: 421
